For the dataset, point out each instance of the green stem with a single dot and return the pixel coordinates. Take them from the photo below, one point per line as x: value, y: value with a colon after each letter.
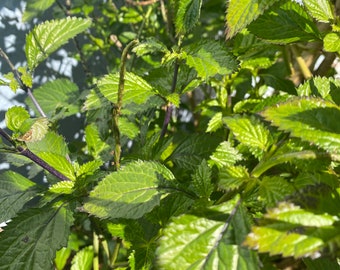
x: 95, y: 262
x: 302, y: 64
x: 115, y: 252
x: 118, y: 106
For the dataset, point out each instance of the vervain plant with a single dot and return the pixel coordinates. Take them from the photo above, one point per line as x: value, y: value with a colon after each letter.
x: 211, y: 142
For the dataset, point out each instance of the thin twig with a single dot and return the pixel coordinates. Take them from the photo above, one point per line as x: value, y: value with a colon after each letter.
x: 307, y: 74
x: 22, y: 85
x: 27, y: 153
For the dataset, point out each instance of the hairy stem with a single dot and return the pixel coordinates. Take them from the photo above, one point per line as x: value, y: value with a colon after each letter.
x: 22, y: 85
x: 170, y: 106
x: 115, y: 252
x: 95, y: 262
x: 118, y: 106
x: 27, y: 153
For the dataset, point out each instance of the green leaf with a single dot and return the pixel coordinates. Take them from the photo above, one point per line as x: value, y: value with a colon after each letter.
x: 187, y: 15
x: 150, y: 45
x: 242, y: 12
x: 52, y: 141
x: 95, y: 145
x: 311, y: 119
x: 26, y: 77
x: 57, y: 94
x: 321, y: 263
x: 60, y: 163
x: 130, y: 192
x: 128, y: 128
x: 201, y: 180
x: 233, y: 177
x: 62, y: 187
x: 274, y: 189
x: 15, y: 117
x: 30, y: 240
x: 191, y: 150
x: 37, y: 130
x: 209, y: 58
x: 292, y: 231
x: 62, y: 257
x: 215, y: 123
x: 47, y: 37
x: 83, y: 259
x: 225, y: 155
x: 195, y: 241
x: 136, y: 89
x: 34, y: 8
x: 331, y: 42
x: 15, y: 191
x: 250, y: 132
x: 288, y: 22
x: 320, y: 10
x: 13, y: 83
x: 89, y: 168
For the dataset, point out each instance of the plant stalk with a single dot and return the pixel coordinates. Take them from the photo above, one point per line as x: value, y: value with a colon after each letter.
x: 307, y: 74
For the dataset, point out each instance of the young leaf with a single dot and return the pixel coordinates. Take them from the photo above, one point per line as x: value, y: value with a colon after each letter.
x: 13, y: 83
x: 320, y: 10
x: 15, y: 117
x: 151, y: 45
x: 15, y: 191
x: 62, y: 187
x: 89, y: 168
x: 30, y: 240
x: 250, y: 132
x: 311, y: 119
x: 83, y: 259
x: 225, y: 155
x: 26, y: 77
x: 95, y: 145
x: 209, y: 58
x: 136, y: 89
x: 130, y: 192
x: 233, y: 177
x: 331, y: 42
x: 215, y: 123
x: 47, y: 37
x: 288, y: 22
x: 187, y: 15
x: 241, y: 13
x: 37, y: 130
x: 53, y: 95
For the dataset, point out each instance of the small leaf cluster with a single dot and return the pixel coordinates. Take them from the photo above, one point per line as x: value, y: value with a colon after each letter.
x: 209, y: 138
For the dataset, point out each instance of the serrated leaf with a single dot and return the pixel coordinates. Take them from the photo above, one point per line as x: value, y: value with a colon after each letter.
x: 13, y: 83
x: 193, y: 242
x: 30, y: 240
x: 274, y: 189
x: 26, y: 77
x: 15, y: 117
x: 191, y: 150
x: 232, y: 177
x: 331, y: 42
x: 319, y: 9
x: 47, y: 37
x: 128, y: 193
x: 95, y: 145
x: 62, y: 187
x: 95, y: 100
x: 34, y: 8
x: 320, y: 86
x: 136, y: 89
x: 15, y: 191
x: 89, y: 168
x: 225, y: 155
x: 250, y: 132
x: 83, y: 259
x: 209, y: 58
x: 292, y: 231
x: 150, y: 45
x: 201, y: 180
x: 52, y: 141
x: 61, y: 258
x: 187, y: 15
x: 215, y: 123
x: 311, y: 119
x: 36, y: 132
x: 60, y: 163
x: 289, y: 23
x: 241, y: 13
x: 128, y: 128
x: 57, y: 94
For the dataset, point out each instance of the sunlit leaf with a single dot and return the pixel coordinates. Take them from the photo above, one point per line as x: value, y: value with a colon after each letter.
x: 319, y: 9
x: 15, y: 117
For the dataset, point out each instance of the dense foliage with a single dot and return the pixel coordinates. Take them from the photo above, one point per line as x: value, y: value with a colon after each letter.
x: 208, y: 140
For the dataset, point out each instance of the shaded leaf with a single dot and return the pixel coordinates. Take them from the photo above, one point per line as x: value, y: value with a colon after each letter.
x: 95, y: 145
x: 30, y: 240
x: 34, y: 8
x: 201, y: 180
x: 187, y: 15
x: 15, y: 191
x: 130, y: 192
